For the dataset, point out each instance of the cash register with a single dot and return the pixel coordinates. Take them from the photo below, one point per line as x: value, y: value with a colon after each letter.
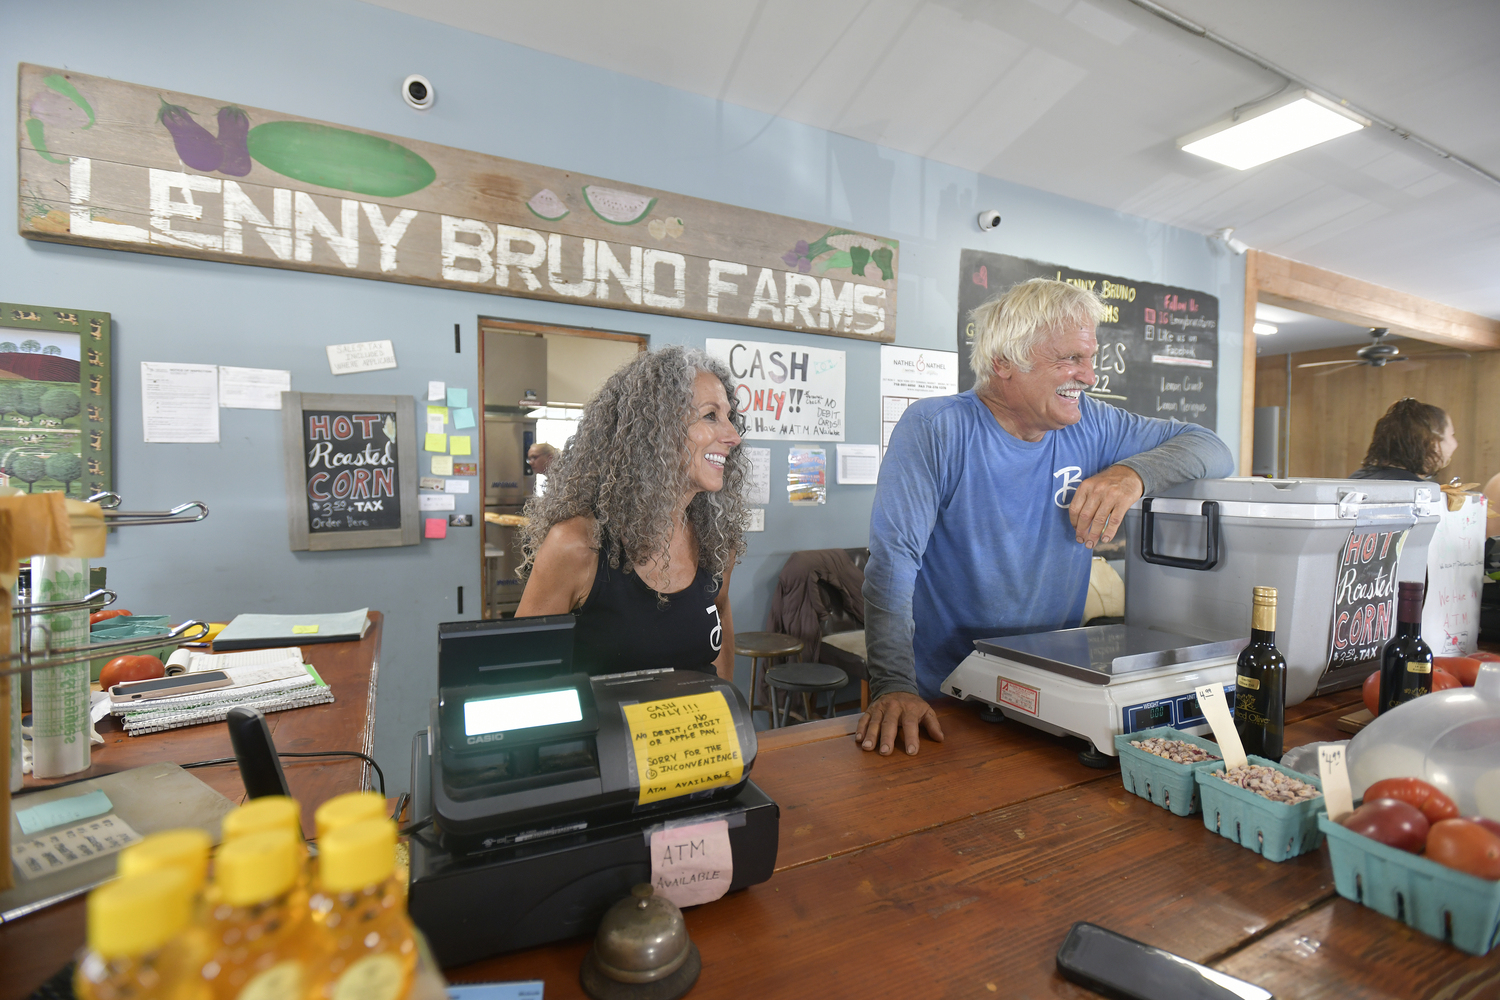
x: 538, y: 783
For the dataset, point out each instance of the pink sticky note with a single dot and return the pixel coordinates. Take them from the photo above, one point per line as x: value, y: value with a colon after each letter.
x: 437, y: 527
x: 692, y: 864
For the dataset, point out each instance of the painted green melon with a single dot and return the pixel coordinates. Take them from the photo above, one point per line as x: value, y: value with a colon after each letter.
x: 340, y: 159
x: 621, y: 208
x: 546, y: 205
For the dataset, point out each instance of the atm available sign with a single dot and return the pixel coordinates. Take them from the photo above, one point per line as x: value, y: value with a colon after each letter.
x: 116, y: 165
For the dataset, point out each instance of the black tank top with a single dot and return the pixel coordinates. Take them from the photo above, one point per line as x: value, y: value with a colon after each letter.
x: 623, y: 626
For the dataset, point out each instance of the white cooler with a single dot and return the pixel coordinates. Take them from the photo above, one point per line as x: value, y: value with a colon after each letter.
x: 1196, y: 550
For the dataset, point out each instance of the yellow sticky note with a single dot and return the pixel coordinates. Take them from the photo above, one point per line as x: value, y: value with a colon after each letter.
x: 442, y: 465
x: 437, y: 442
x: 301, y: 629
x: 458, y: 444
x: 438, y: 411
x: 683, y: 745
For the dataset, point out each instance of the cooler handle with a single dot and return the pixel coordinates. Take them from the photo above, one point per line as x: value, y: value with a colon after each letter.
x: 1210, y: 512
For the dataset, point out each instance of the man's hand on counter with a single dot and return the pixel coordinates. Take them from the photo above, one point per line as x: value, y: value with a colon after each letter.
x: 1099, y: 505
x: 891, y: 712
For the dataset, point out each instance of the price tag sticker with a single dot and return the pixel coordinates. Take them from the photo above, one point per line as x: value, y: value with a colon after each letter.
x: 1215, y: 708
x: 683, y: 745
x: 1333, y: 772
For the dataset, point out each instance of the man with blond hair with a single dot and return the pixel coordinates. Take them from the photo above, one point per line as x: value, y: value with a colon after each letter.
x: 990, y: 502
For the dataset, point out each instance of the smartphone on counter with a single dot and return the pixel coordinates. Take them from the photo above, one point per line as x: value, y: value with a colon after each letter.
x: 169, y: 687
x: 1121, y: 967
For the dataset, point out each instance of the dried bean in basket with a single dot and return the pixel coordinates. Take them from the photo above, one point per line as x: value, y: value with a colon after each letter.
x: 1269, y: 783
x: 1177, y: 751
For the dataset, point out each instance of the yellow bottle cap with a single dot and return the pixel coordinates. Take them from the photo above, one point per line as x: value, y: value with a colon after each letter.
x: 257, y: 866
x: 357, y: 855
x: 273, y: 812
x: 139, y: 913
x: 343, y: 810
x: 186, y: 848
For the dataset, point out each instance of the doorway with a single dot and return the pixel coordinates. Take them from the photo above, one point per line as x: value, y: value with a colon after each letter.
x: 533, y: 382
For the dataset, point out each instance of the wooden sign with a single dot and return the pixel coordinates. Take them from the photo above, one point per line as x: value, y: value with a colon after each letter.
x: 1158, y: 344
x: 351, y: 475
x: 111, y: 164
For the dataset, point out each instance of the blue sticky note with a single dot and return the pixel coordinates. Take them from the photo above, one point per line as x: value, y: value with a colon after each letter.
x: 458, y: 397
x: 61, y: 811
x: 530, y: 989
x: 463, y: 417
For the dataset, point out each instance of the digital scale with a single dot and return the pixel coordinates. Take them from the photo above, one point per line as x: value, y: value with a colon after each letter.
x: 1096, y: 683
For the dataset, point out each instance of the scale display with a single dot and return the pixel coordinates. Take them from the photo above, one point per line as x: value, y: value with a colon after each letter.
x: 521, y: 711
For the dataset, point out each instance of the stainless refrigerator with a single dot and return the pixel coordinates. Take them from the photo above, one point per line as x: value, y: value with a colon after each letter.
x: 508, y: 481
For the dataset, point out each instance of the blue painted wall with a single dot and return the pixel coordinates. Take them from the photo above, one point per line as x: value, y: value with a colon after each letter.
x: 342, y: 62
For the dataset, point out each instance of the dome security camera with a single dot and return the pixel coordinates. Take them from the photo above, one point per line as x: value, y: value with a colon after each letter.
x: 417, y: 92
x: 989, y: 220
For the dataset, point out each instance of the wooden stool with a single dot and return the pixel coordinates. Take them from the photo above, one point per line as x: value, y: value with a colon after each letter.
x: 807, y: 679
x: 763, y: 646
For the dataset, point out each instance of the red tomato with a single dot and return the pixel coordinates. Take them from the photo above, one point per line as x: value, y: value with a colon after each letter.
x: 1372, y: 693
x: 1443, y: 681
x: 1417, y: 793
x: 104, y: 616
x: 1390, y: 822
x: 130, y: 668
x: 1465, y: 846
x: 1465, y: 668
x: 1485, y: 655
x: 1489, y: 824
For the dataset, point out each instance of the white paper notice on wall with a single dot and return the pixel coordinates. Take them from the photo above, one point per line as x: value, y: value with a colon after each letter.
x: 457, y: 486
x: 367, y: 356
x: 907, y: 375
x: 758, y: 489
x: 757, y: 519
x: 859, y: 464
x: 436, y: 392
x: 692, y: 863
x: 252, y: 388
x: 179, y: 403
x: 436, y: 501
x: 784, y: 391
x: 1455, y: 579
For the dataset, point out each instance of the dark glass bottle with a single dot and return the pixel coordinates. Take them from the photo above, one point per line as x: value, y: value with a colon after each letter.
x: 1260, y: 682
x: 1406, y: 663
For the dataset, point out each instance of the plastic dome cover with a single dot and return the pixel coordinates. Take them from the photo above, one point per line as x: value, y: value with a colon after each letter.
x: 1450, y: 739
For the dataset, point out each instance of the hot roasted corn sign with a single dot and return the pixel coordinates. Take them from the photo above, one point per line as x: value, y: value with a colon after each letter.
x: 111, y: 164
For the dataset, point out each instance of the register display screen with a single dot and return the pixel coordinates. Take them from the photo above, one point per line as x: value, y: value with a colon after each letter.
x: 521, y: 711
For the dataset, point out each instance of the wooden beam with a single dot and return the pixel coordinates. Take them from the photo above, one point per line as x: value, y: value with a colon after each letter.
x: 1305, y: 288
x: 1247, y: 391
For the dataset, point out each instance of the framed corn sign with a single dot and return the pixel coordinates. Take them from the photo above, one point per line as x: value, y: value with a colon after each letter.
x: 111, y: 164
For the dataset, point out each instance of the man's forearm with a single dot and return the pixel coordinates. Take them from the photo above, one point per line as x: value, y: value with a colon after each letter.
x: 1193, y: 454
x: 888, y: 645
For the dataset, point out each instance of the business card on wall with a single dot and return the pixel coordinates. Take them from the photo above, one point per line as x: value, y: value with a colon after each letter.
x: 460, y: 520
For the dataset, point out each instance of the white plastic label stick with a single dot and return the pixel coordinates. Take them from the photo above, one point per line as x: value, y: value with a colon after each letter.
x: 1333, y: 771
x: 1215, y: 709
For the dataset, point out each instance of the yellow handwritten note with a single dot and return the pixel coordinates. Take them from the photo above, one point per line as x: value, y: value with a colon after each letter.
x: 684, y: 745
x: 442, y: 465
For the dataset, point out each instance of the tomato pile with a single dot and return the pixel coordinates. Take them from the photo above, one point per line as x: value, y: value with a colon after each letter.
x: 1447, y: 672
x: 1411, y: 815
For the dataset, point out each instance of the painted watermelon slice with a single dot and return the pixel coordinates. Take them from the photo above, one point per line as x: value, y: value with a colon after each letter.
x: 546, y: 205
x: 621, y: 208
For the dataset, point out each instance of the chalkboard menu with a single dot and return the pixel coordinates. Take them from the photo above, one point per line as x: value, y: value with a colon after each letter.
x: 1158, y: 345
x: 351, y: 470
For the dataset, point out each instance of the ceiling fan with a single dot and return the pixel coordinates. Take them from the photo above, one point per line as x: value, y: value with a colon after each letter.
x: 1377, y: 354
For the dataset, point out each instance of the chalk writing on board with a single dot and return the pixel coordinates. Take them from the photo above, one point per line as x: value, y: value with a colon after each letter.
x: 353, y: 481
x: 1364, y: 596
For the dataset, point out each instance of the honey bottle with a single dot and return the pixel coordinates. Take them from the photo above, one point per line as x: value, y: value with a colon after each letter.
x: 366, y: 946
x: 186, y: 848
x: 255, y: 925
x: 129, y: 957
x: 352, y: 807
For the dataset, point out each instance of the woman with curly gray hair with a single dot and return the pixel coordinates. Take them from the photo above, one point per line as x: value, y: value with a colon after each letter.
x: 643, y: 520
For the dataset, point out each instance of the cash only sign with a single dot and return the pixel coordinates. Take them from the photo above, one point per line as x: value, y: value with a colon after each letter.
x: 111, y: 164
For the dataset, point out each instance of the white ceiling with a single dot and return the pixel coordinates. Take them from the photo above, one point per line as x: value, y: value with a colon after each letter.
x: 1085, y: 98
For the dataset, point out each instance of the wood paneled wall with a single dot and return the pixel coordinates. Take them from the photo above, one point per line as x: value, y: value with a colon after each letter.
x: 1333, y: 410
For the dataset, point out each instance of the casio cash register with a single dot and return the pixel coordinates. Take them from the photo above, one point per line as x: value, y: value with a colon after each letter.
x: 543, y: 780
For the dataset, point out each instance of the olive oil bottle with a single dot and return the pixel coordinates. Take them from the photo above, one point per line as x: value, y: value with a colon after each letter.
x: 1406, y: 663
x: 1260, y: 682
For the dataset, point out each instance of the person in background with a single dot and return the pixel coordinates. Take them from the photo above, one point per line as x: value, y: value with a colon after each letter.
x: 643, y: 520
x: 541, y: 456
x: 1412, y: 442
x: 990, y: 502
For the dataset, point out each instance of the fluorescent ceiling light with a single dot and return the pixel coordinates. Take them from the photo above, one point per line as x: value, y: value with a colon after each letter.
x: 1264, y: 329
x: 1274, y: 128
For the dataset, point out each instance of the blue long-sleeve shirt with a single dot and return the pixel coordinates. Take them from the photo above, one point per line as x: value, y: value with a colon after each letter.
x: 970, y: 536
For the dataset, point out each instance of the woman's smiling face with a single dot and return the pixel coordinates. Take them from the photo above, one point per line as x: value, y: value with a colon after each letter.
x: 711, y: 435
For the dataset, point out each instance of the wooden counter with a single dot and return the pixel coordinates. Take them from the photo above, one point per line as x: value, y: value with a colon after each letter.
x: 958, y: 872
x: 36, y: 946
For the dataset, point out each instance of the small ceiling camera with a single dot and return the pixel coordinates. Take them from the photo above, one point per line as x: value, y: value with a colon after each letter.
x: 418, y: 92
x: 989, y: 220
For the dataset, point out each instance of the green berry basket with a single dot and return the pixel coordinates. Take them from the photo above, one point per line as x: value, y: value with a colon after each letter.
x: 1461, y: 909
x: 1167, y: 784
x: 1274, y: 830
